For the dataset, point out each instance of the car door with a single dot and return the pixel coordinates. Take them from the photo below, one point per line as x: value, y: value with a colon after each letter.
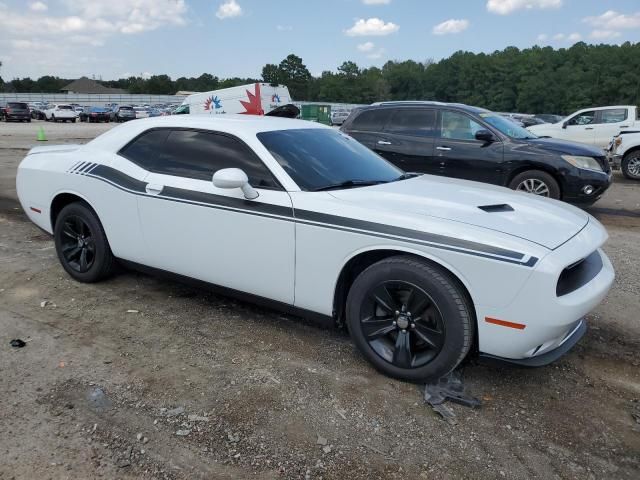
x: 610, y: 122
x: 580, y: 127
x: 461, y: 155
x: 407, y: 140
x: 368, y: 127
x: 195, y: 229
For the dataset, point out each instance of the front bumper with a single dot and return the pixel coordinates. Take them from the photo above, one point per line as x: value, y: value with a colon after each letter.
x: 547, y: 319
x: 573, y: 190
x: 573, y: 337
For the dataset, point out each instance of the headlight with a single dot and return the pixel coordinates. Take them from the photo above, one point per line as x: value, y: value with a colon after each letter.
x: 586, y: 163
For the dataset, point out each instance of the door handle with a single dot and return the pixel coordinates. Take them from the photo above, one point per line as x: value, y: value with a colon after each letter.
x: 624, y: 126
x: 384, y: 142
x: 589, y: 128
x: 153, y: 189
x: 444, y: 149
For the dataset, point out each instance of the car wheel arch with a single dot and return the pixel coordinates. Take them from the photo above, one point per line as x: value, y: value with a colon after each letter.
x: 632, y: 150
x: 61, y: 200
x: 362, y: 259
x: 532, y: 167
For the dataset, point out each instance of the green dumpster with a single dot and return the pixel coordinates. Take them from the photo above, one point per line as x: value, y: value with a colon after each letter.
x: 316, y: 113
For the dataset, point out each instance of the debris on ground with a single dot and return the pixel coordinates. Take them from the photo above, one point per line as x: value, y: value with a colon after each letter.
x: 321, y: 440
x: 183, y: 432
x: 450, y: 387
x: 47, y: 303
x: 17, y: 343
x: 133, y: 311
x: 175, y: 412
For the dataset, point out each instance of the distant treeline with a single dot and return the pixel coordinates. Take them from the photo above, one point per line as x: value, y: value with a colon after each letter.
x: 536, y: 80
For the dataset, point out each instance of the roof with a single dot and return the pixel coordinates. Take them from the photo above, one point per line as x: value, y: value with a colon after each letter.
x: 417, y: 103
x: 242, y: 126
x: 86, y: 85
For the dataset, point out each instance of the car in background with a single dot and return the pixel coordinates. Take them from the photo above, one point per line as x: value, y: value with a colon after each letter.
x: 593, y: 126
x: 549, y: 118
x: 15, y: 112
x: 123, y: 113
x: 181, y: 110
x: 95, y: 114
x: 37, y: 111
x: 472, y: 143
x: 624, y: 153
x: 423, y: 270
x: 141, y: 112
x: 60, y: 113
x: 338, y: 116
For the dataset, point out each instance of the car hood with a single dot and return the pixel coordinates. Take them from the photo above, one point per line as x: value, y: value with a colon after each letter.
x: 565, y: 147
x: 546, y: 222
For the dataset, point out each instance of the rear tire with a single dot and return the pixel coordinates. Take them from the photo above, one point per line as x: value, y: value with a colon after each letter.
x: 410, y: 318
x: 536, y: 182
x: 630, y: 165
x: 81, y: 244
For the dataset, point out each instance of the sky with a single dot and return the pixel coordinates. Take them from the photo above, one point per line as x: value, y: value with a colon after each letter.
x: 111, y: 39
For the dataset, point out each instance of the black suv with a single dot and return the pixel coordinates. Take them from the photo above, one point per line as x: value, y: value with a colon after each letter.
x: 15, y: 111
x: 472, y: 143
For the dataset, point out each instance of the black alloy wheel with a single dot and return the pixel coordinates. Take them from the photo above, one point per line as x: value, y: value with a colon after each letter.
x: 402, y: 324
x: 78, y: 245
x: 411, y: 318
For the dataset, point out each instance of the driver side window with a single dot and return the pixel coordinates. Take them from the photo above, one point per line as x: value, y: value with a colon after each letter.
x: 584, y: 118
x: 458, y: 126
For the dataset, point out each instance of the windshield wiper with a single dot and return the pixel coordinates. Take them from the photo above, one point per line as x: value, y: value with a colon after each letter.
x: 407, y: 175
x: 349, y: 184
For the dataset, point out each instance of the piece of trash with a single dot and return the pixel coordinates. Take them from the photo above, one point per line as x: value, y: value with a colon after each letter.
x: 47, y: 303
x: 321, y: 440
x: 175, y: 412
x: 61, y: 365
x: 133, y: 311
x: 327, y: 449
x: 449, y: 387
x: 342, y: 413
x: 139, y: 437
x: 183, y: 433
x: 17, y: 343
x: 98, y: 400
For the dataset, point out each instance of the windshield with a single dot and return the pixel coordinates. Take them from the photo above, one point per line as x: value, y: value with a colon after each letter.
x: 65, y: 107
x: 506, y: 126
x: 318, y: 159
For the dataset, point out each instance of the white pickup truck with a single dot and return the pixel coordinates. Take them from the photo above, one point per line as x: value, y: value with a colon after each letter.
x: 623, y: 152
x: 594, y: 126
x: 60, y: 113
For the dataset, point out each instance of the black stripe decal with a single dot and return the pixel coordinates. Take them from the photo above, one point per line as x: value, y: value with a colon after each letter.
x: 322, y: 220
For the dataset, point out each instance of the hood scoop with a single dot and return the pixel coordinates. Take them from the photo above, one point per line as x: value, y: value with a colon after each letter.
x: 501, y: 207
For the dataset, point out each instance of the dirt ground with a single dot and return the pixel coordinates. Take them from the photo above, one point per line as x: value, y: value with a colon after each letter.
x: 140, y: 377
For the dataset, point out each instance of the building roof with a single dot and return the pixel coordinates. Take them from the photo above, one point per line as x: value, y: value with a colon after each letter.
x: 86, y: 85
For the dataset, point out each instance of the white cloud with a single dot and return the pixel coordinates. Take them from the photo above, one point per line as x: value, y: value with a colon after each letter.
x: 284, y: 28
x: 371, y: 27
x: 543, y: 37
x: 574, y: 37
x: 612, y: 20
x: 451, y: 26
x: 506, y: 7
x: 604, y: 34
x: 229, y: 9
x: 366, y: 47
x: 560, y: 37
x: 376, y: 2
x: 38, y: 7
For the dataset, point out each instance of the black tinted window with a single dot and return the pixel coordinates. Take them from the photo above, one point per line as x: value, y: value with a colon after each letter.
x: 17, y: 105
x: 194, y: 154
x: 413, y: 121
x: 318, y: 158
x: 371, y: 120
x: 145, y: 150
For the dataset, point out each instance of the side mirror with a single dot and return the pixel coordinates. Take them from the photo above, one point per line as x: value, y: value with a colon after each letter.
x: 564, y: 124
x: 485, y: 136
x: 234, y: 178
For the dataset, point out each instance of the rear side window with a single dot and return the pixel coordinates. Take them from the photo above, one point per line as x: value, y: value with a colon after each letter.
x: 613, y: 115
x: 371, y: 120
x: 145, y: 150
x: 198, y: 155
x: 417, y: 122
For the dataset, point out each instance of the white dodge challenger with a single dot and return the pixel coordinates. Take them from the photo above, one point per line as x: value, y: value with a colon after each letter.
x: 422, y: 270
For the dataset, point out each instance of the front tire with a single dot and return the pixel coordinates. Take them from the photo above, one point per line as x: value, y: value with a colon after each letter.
x: 536, y: 182
x: 630, y: 165
x: 410, y: 318
x: 81, y: 244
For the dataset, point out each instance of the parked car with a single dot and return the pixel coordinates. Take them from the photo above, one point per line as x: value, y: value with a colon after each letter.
x: 95, y: 114
x: 60, y: 113
x: 472, y: 143
x: 338, y: 116
x: 593, y: 126
x: 123, y: 113
x: 423, y: 270
x: 15, y: 112
x: 37, y: 110
x: 181, y: 110
x: 549, y: 118
x: 141, y: 112
x: 624, y: 153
